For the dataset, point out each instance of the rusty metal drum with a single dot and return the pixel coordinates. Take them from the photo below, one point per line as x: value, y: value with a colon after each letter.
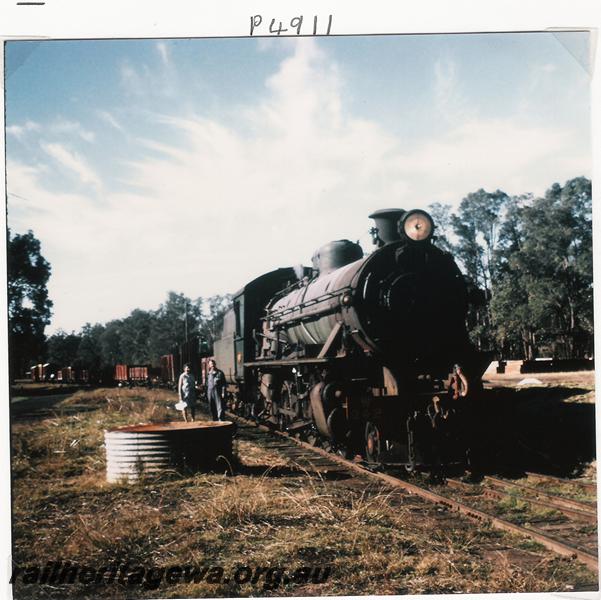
x: 134, y: 451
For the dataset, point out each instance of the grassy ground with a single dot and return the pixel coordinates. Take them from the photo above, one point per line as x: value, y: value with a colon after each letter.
x: 271, y: 514
x: 28, y: 388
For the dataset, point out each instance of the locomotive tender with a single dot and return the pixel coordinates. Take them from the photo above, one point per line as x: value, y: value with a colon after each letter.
x: 366, y: 354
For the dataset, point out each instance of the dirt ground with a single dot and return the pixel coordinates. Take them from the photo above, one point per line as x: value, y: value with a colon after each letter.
x: 584, y: 378
x: 266, y: 513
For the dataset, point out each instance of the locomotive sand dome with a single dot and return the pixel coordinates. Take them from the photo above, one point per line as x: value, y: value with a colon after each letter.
x: 367, y: 354
x: 336, y: 254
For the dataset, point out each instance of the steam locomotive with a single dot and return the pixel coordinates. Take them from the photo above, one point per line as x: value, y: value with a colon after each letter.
x: 367, y: 355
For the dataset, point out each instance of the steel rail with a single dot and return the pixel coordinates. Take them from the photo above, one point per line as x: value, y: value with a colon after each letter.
x: 589, y: 559
x: 588, y: 485
x: 580, y: 513
x: 553, y: 499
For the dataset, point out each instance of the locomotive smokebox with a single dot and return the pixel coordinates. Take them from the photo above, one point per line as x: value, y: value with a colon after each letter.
x: 387, y: 225
x: 336, y: 254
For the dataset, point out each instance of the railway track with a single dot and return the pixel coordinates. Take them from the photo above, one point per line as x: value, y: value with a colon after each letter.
x: 575, y: 509
x: 589, y: 486
x: 560, y: 523
x: 563, y: 525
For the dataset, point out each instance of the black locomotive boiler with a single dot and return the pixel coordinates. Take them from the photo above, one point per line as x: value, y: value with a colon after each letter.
x: 366, y: 354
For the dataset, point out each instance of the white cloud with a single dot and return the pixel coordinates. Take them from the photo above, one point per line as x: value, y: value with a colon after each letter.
x: 163, y: 52
x: 266, y: 44
x: 304, y: 155
x: 93, y: 249
x: 72, y: 162
x: 63, y: 126
x: 59, y: 127
x: 496, y: 153
x: 225, y: 203
x: 146, y: 82
x: 130, y: 78
x: 110, y: 119
x: 19, y: 131
x: 449, y: 99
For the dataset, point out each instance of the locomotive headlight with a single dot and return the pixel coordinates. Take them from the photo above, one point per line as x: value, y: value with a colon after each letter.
x: 417, y: 225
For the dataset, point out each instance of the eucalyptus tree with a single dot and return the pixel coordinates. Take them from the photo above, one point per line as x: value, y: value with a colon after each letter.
x: 29, y: 307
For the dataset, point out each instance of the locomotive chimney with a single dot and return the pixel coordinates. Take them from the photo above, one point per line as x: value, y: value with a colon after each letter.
x: 386, y: 229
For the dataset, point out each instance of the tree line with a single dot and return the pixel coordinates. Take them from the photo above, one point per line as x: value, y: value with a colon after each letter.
x: 529, y: 263
x: 142, y: 337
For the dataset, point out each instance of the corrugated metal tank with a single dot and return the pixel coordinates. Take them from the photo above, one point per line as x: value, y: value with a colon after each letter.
x: 137, y: 450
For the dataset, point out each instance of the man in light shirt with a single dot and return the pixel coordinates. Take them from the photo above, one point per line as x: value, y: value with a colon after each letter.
x: 186, y: 389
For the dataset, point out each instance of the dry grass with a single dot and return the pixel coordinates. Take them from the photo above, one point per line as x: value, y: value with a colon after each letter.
x: 590, y: 472
x: 278, y: 514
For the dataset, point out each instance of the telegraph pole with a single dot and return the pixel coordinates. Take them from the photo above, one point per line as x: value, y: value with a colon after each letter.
x: 186, y: 321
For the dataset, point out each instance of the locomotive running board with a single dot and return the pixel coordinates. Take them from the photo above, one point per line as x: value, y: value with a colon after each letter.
x: 290, y: 362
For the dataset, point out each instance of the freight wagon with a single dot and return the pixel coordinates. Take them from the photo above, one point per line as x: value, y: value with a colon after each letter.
x: 136, y: 375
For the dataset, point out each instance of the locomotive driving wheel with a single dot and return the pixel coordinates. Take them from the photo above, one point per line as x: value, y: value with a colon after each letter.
x: 373, y: 443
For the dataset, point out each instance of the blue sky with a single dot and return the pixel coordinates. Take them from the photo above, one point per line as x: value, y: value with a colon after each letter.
x: 195, y: 165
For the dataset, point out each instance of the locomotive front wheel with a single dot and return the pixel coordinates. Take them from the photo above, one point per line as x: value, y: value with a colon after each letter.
x: 372, y: 442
